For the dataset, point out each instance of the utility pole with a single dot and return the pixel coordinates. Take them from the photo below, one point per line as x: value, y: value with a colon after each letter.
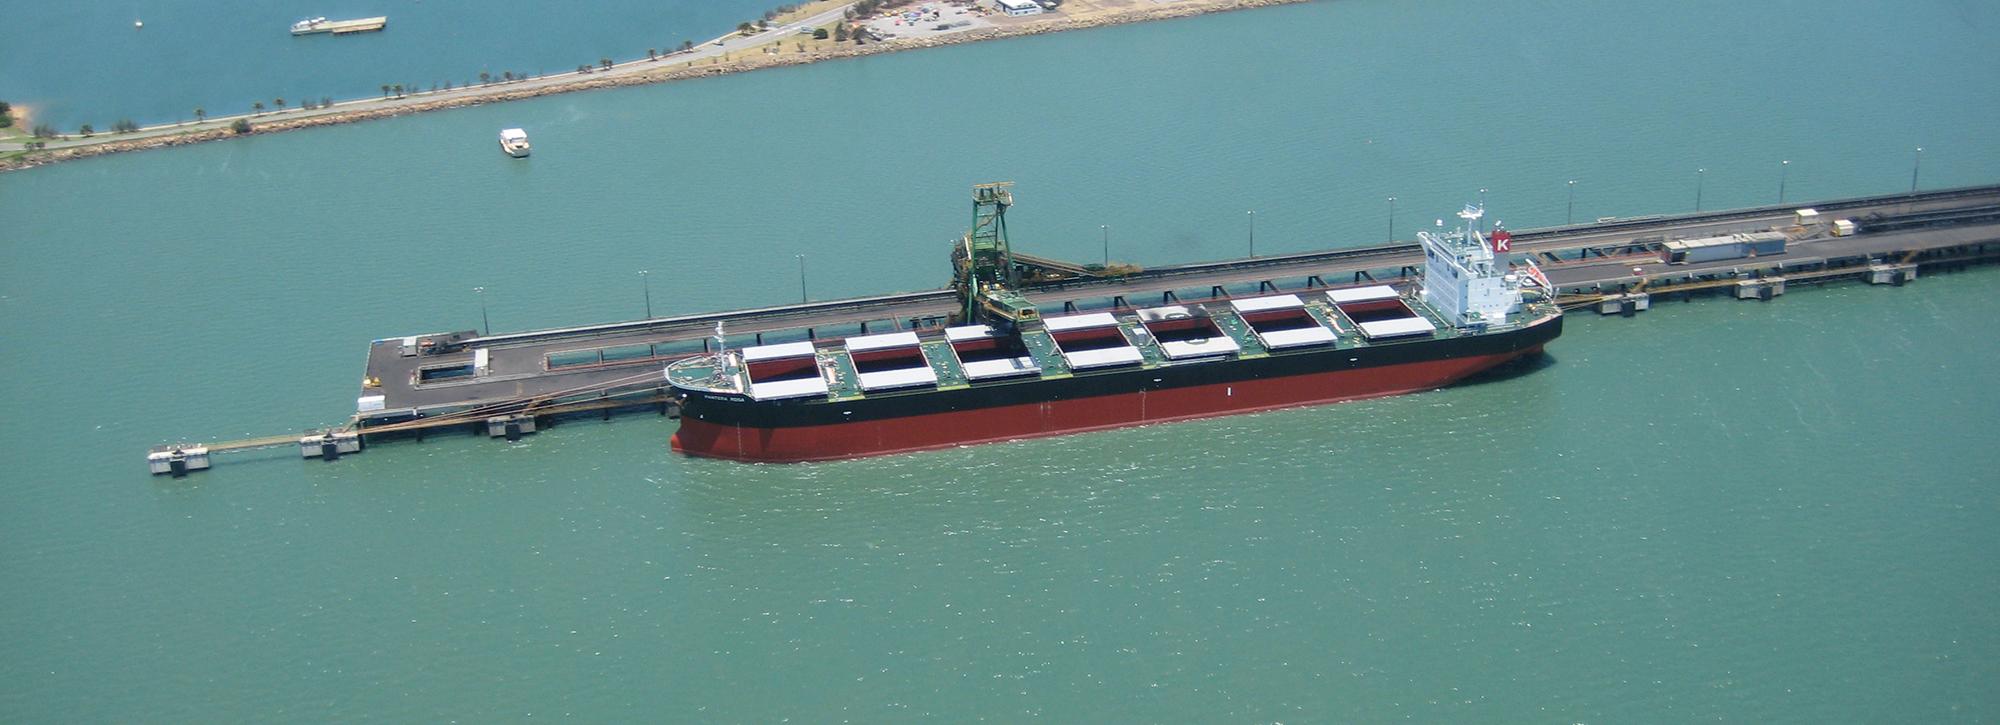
x: 1392, y: 219
x: 1253, y: 233
x: 647, y: 284
x: 1916, y: 164
x: 1784, y: 170
x: 1699, y: 175
x: 1106, y: 229
x: 484, y: 323
x: 802, y: 278
x: 1570, y: 218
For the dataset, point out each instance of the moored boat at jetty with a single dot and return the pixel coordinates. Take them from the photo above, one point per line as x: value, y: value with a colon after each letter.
x: 1006, y: 372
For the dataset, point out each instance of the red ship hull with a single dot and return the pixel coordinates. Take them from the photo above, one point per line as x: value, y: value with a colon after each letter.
x: 1056, y: 417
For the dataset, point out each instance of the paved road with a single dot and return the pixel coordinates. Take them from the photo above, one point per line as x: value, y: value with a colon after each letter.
x: 719, y: 46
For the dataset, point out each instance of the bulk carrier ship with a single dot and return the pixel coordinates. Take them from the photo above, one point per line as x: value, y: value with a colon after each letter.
x: 1006, y: 372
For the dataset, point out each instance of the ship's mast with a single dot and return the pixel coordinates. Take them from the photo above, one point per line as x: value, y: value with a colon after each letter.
x: 985, y: 265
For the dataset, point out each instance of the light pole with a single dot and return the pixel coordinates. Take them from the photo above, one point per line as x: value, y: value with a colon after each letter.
x: 1253, y: 232
x: 1392, y: 219
x: 1106, y: 230
x: 1570, y: 218
x: 646, y: 283
x: 1482, y: 208
x: 1916, y: 164
x: 1699, y: 174
x: 484, y: 323
x: 802, y: 278
x: 1784, y: 170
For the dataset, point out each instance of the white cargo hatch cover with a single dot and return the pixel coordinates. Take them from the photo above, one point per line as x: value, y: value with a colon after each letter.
x: 1397, y: 328
x: 1362, y: 294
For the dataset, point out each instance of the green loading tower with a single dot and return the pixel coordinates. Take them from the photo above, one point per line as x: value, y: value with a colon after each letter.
x: 984, y: 266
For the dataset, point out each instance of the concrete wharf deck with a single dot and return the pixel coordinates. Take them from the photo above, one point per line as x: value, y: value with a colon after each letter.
x: 599, y: 367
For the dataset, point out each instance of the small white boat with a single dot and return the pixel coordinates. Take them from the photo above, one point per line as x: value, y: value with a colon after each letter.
x: 514, y: 142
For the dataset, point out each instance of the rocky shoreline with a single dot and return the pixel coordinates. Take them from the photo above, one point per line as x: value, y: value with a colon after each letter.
x: 758, y: 62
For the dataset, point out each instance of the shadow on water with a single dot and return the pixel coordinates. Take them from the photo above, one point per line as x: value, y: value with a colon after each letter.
x: 1512, y: 369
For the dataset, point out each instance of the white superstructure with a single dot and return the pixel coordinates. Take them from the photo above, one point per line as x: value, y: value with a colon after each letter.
x: 514, y: 142
x: 1463, y: 279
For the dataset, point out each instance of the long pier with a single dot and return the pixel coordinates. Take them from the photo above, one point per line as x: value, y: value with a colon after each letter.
x: 504, y: 384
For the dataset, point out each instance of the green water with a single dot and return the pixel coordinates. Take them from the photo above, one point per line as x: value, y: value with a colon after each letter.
x: 1777, y: 511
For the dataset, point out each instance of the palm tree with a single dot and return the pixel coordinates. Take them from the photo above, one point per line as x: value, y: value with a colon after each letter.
x: 745, y: 28
x: 652, y: 54
x: 485, y: 78
x: 687, y: 45
x: 606, y: 62
x: 200, y: 114
x: 399, y: 90
x: 279, y: 102
x: 385, y: 90
x: 86, y: 130
x: 257, y: 107
x: 509, y: 75
x: 326, y: 101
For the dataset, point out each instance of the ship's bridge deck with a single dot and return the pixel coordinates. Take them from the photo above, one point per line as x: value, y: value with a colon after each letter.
x: 907, y: 363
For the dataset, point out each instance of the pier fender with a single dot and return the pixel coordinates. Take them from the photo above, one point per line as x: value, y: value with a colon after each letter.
x: 178, y: 461
x: 329, y: 445
x: 511, y: 427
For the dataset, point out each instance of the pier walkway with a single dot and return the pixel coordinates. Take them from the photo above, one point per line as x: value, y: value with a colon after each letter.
x: 505, y: 383
x: 419, y: 377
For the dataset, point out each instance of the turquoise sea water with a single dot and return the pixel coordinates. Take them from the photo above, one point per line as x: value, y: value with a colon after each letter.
x: 1753, y: 511
x: 76, y: 63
